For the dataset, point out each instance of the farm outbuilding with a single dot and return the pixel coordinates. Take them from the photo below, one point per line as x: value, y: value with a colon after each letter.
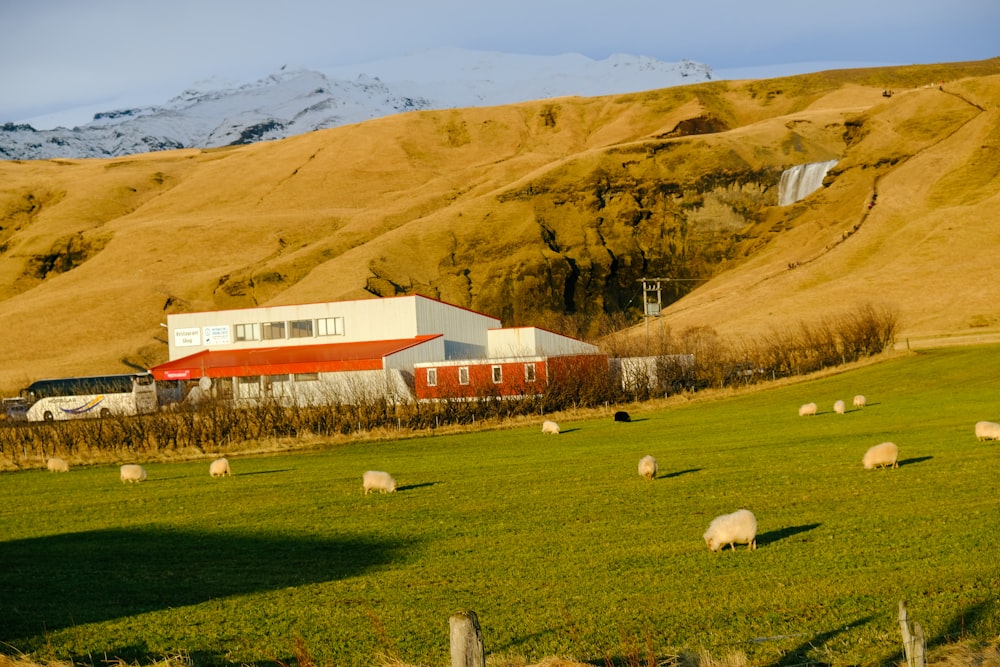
x: 520, y: 361
x: 347, y: 351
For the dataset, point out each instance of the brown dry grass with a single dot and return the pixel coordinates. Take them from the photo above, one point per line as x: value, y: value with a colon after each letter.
x: 447, y: 204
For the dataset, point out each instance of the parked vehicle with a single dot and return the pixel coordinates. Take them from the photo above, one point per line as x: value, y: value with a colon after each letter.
x: 96, y: 396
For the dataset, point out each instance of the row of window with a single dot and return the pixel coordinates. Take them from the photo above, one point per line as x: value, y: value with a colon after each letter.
x: 282, y: 377
x: 463, y: 375
x: 326, y: 326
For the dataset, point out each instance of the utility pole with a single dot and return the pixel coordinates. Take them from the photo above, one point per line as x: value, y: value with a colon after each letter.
x: 651, y: 307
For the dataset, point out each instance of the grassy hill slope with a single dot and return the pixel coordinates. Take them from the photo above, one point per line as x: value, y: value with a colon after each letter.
x: 546, y: 213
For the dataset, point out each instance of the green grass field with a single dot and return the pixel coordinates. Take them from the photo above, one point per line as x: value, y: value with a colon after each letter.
x: 555, y: 541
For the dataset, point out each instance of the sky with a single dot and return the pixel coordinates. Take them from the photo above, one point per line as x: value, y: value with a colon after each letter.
x: 65, y: 59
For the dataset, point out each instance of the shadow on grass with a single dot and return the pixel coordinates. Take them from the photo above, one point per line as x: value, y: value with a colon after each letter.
x: 678, y: 473
x: 915, y: 459
x: 965, y: 622
x: 410, y: 487
x: 263, y: 472
x: 800, y: 654
x: 58, y: 581
x: 773, y: 536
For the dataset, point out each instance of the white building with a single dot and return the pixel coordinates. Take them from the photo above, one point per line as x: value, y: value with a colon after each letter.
x: 340, y: 351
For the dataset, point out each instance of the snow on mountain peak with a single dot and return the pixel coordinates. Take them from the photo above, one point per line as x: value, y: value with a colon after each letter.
x: 218, y: 112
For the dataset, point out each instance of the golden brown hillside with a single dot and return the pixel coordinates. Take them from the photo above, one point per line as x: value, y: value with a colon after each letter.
x: 546, y: 213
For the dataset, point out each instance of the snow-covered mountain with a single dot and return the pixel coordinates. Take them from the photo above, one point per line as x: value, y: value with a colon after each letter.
x: 296, y: 100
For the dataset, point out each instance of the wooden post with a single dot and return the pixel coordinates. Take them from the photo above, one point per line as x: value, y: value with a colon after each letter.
x: 913, y: 642
x: 466, y: 640
x: 918, y: 646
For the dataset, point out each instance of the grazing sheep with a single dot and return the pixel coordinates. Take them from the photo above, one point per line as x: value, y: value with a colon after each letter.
x: 220, y: 468
x: 376, y: 480
x: 860, y: 401
x: 987, y: 431
x: 740, y: 527
x: 882, y: 455
x: 647, y: 467
x: 807, y: 409
x: 839, y: 407
x: 550, y: 427
x: 622, y: 416
x: 132, y: 472
x: 56, y: 464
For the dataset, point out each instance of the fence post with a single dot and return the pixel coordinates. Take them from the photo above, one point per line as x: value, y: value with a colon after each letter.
x: 466, y: 640
x: 913, y: 643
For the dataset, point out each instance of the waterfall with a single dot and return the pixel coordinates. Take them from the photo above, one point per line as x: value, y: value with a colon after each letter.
x: 800, y: 181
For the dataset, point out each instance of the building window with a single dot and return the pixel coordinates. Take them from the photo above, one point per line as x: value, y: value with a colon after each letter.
x: 497, y: 374
x: 463, y: 375
x: 529, y: 372
x: 248, y: 331
x: 273, y: 330
x: 330, y: 326
x: 432, y: 377
x: 307, y: 377
x: 300, y: 329
x: 275, y: 384
x: 248, y: 386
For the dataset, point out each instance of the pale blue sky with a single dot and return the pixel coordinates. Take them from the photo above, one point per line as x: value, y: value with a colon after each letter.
x: 61, y: 54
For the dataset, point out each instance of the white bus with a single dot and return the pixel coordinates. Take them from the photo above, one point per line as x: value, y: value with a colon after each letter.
x: 97, y: 396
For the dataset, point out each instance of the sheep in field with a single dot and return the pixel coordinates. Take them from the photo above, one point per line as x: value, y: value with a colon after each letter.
x: 987, y: 431
x: 550, y: 427
x: 860, y: 401
x: 56, y: 464
x: 376, y: 480
x: 647, y: 467
x: 220, y: 468
x: 839, y: 407
x: 131, y: 472
x: 807, y: 410
x: 884, y: 455
x: 740, y: 527
x: 622, y: 416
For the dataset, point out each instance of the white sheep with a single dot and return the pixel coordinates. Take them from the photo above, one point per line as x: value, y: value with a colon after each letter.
x: 220, y: 468
x: 550, y: 427
x: 647, y: 467
x: 132, y: 472
x: 56, y: 464
x: 860, y: 401
x: 807, y: 409
x: 882, y: 455
x: 740, y: 527
x: 839, y: 407
x: 987, y: 431
x: 377, y: 480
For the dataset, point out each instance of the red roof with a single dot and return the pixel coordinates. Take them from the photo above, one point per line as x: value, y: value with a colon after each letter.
x: 332, y: 357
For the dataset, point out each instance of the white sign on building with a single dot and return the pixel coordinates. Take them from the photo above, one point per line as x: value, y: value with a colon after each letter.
x: 187, y: 337
x: 217, y: 335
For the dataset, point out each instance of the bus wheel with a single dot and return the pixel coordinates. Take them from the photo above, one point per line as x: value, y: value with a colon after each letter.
x: 47, y: 416
x: 105, y: 413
